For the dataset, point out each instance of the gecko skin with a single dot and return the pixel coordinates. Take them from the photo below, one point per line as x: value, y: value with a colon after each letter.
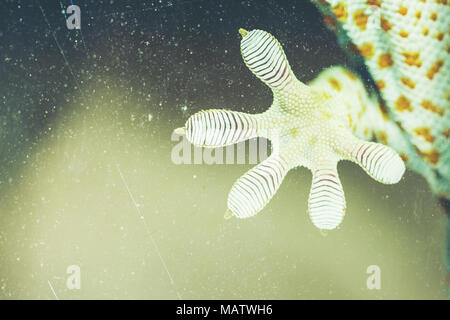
x: 406, y: 48
x: 305, y: 130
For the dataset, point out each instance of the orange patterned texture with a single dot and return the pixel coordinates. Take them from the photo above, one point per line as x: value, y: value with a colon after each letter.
x: 405, y: 46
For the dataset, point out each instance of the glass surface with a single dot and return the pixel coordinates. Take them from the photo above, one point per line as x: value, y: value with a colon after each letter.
x: 87, y: 180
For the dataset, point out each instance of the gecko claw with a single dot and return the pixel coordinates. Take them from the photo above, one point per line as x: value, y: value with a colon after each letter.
x: 228, y: 214
x: 180, y: 131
